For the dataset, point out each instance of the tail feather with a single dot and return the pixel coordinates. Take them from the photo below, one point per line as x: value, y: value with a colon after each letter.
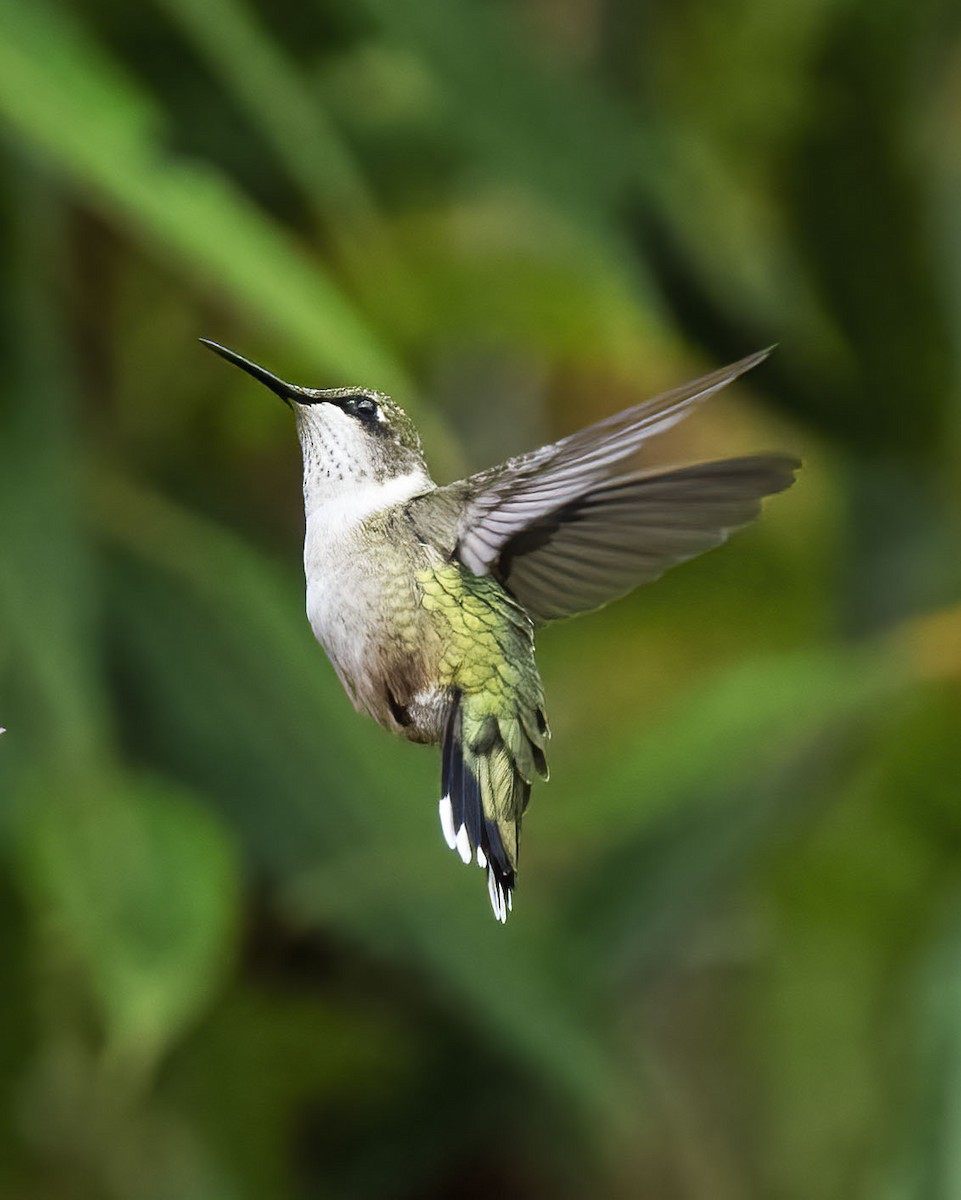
x: 519, y: 746
x: 486, y: 784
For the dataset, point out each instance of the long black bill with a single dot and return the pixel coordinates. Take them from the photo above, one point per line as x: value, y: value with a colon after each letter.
x: 286, y: 391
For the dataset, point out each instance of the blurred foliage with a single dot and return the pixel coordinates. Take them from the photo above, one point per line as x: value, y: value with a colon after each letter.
x: 239, y: 964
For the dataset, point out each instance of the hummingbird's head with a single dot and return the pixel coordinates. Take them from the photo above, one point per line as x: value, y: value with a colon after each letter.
x: 348, y: 435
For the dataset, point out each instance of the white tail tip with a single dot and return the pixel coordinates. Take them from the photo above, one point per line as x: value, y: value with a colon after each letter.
x: 447, y: 822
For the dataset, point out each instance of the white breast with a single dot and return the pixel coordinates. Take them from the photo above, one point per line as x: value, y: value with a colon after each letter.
x: 344, y: 576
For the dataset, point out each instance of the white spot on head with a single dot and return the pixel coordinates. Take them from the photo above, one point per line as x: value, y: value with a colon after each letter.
x: 463, y: 844
x: 447, y: 822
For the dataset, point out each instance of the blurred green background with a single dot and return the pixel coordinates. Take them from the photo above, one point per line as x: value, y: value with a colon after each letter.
x: 238, y: 962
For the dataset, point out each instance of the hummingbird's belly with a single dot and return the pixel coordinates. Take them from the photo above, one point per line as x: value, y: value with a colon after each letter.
x: 366, y: 610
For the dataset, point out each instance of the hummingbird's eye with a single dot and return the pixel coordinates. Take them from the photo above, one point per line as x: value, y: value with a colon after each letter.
x: 363, y: 407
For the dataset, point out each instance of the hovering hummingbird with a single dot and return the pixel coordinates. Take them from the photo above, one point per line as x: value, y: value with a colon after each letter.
x: 426, y: 598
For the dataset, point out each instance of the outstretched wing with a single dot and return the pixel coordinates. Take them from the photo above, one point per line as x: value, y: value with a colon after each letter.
x: 510, y: 498
x: 627, y: 530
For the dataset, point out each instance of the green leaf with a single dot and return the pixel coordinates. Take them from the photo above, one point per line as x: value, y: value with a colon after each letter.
x: 140, y: 887
x: 63, y: 94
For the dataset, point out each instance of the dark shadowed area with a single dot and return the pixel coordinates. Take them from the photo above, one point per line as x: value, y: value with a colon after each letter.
x: 238, y: 961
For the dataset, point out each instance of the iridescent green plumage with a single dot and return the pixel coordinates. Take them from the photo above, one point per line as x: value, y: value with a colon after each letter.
x: 497, y: 720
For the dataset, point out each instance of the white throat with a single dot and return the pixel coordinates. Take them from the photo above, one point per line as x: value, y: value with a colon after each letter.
x: 342, y: 510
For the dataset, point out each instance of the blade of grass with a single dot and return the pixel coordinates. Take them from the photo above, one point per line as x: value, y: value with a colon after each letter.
x: 270, y: 89
x: 62, y: 94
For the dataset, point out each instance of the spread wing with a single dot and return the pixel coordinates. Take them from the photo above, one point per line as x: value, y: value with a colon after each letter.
x: 566, y: 535
x: 506, y: 499
x: 627, y: 530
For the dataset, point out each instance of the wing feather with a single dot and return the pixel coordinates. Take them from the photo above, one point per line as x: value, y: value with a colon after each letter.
x: 566, y: 534
x: 607, y: 541
x: 508, y: 498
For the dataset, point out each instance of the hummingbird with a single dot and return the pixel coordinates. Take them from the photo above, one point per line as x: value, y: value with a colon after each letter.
x: 426, y: 598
